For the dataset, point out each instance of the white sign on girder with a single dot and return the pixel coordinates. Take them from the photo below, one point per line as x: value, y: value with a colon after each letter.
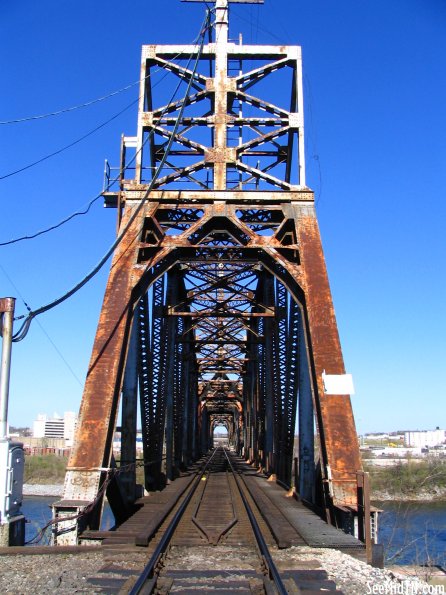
x: 338, y: 384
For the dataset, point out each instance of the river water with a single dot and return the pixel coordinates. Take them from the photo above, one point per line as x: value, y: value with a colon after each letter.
x: 37, y: 511
x: 412, y: 533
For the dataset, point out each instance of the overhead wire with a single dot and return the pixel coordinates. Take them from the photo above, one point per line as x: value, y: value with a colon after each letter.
x: 112, y: 473
x: 315, y: 156
x: 93, y: 200
x: 71, y: 108
x: 73, y: 143
x: 60, y: 354
x: 69, y: 145
x: 56, y: 225
x: 265, y: 30
x: 22, y: 332
x: 311, y: 137
x: 80, y: 105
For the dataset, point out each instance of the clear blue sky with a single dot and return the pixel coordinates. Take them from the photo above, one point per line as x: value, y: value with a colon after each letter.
x: 375, y: 97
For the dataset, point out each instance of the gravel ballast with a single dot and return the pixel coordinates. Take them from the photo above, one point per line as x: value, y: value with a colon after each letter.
x: 68, y: 573
x: 58, y: 573
x: 354, y: 577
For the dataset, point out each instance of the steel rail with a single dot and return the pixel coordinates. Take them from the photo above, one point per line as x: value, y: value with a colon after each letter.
x: 215, y: 536
x: 261, y: 543
x: 149, y: 568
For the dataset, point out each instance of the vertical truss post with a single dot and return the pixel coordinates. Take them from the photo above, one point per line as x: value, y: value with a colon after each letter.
x: 282, y: 348
x: 146, y: 388
x: 180, y: 392
x: 289, y: 364
x: 171, y: 352
x: 188, y: 383
x: 260, y: 403
x: 306, y: 487
x: 338, y: 438
x: 250, y: 397
x: 127, y: 472
x: 279, y: 349
x: 192, y: 434
x: 157, y: 395
x: 270, y: 375
x: 186, y: 416
x: 227, y: 342
x: 220, y: 93
x: 204, y: 434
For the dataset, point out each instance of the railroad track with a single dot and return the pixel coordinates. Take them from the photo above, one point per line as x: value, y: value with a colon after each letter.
x: 212, y: 540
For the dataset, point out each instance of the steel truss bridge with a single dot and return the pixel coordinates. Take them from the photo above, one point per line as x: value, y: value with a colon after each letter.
x: 217, y: 310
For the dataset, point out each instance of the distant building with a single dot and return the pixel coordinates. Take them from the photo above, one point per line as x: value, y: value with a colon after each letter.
x: 117, y: 441
x: 376, y: 436
x: 56, y: 426
x: 425, y: 438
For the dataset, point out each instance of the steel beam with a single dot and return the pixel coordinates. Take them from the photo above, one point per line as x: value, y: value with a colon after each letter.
x: 336, y: 424
x: 128, y: 417
x: 225, y: 278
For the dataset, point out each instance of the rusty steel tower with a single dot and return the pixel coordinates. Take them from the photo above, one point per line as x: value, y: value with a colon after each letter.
x: 217, y: 310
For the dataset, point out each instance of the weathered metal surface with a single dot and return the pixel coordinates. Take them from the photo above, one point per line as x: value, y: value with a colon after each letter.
x: 137, y: 191
x: 335, y: 416
x: 7, y: 304
x: 92, y: 451
x: 236, y: 317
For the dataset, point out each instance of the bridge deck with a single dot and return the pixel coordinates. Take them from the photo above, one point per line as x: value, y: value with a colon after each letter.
x: 290, y: 522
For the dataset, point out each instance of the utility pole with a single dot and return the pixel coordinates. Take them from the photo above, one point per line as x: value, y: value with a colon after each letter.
x: 12, y: 522
x: 7, y: 317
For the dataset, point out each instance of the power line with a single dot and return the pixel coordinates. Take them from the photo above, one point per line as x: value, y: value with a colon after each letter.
x: 258, y: 26
x: 72, y: 144
x: 70, y: 109
x: 81, y: 105
x: 83, y: 137
x: 59, y: 353
x: 93, y: 200
x: 56, y: 225
x: 89, y: 204
x: 22, y: 332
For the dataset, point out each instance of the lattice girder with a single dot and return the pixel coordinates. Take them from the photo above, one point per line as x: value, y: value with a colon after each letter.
x: 241, y: 321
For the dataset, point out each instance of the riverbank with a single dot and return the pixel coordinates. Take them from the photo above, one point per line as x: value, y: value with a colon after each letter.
x: 434, y: 495
x: 408, y: 481
x: 39, y: 489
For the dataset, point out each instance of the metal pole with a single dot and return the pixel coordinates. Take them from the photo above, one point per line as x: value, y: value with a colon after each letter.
x: 7, y: 310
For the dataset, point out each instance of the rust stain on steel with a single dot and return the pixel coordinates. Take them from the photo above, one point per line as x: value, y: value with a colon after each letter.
x: 7, y: 304
x: 134, y: 191
x: 101, y: 392
x: 336, y: 415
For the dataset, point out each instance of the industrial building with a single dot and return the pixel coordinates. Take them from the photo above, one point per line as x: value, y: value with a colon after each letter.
x: 56, y: 426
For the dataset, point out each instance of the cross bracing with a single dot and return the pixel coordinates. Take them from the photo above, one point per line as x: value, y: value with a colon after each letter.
x: 217, y: 308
